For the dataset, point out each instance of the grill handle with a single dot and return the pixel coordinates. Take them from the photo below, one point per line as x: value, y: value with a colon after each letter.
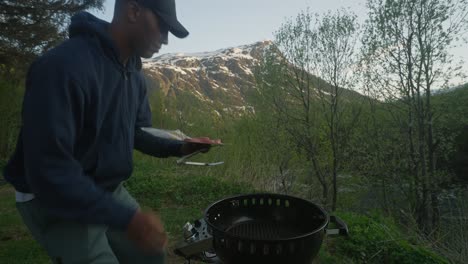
x: 341, y: 227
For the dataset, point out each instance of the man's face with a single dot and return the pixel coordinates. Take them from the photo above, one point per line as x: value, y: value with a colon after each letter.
x: 150, y: 33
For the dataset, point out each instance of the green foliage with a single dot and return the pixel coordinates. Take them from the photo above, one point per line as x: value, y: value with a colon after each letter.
x: 16, y: 244
x: 30, y: 27
x: 181, y: 194
x: 22, y: 251
x: 178, y: 194
x: 11, y: 94
x: 376, y: 239
x: 452, y: 130
x: 305, y: 80
x: 157, y: 185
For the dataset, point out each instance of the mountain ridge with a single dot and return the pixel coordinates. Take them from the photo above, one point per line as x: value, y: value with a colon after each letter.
x: 219, y: 79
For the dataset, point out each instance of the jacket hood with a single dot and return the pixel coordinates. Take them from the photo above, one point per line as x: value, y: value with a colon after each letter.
x: 85, y: 24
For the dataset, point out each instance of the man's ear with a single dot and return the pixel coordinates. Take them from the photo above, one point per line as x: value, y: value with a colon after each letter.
x: 133, y: 11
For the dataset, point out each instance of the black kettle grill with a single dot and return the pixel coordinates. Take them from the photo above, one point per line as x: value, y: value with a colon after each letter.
x: 261, y: 228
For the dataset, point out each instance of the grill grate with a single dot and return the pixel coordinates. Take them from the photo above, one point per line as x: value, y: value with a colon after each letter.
x: 263, y: 230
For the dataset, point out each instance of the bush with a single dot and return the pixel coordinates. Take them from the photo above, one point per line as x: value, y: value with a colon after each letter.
x: 376, y: 239
x: 11, y: 94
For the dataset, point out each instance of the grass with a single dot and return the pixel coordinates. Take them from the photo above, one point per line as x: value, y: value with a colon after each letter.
x: 178, y: 194
x: 16, y: 244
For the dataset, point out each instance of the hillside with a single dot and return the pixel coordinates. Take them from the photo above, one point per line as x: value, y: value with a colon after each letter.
x: 218, y: 81
x: 453, y: 124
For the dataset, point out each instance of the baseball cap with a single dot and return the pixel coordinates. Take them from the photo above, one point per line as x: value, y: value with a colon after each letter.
x: 166, y: 11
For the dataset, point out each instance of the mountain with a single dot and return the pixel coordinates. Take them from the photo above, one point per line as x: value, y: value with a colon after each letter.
x: 218, y: 81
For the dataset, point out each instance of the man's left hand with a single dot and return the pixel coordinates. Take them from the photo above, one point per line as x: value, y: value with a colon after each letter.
x: 189, y: 148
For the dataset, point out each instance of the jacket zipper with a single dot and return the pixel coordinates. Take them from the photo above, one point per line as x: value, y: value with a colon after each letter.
x: 125, y: 113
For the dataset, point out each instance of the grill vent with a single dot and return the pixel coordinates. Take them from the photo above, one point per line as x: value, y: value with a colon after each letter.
x: 261, y: 230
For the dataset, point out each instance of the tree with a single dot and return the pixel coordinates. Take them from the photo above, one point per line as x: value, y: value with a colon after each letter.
x: 30, y: 27
x: 285, y: 83
x: 303, y: 77
x: 334, y: 62
x: 407, y: 44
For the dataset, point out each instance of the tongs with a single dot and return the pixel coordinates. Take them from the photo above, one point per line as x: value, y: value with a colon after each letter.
x: 183, y: 160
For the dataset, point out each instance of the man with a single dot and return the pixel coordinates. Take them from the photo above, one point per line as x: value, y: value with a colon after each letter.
x: 84, y: 107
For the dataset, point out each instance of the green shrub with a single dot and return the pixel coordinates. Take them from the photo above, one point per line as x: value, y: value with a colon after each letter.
x: 11, y: 94
x: 376, y: 239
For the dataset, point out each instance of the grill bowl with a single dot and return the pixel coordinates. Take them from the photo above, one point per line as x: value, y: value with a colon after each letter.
x: 266, y: 228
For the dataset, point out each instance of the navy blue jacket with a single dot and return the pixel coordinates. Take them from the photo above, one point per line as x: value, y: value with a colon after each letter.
x: 80, y: 112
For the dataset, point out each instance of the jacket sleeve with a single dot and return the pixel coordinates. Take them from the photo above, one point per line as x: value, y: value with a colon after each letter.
x: 156, y: 146
x: 146, y: 142
x: 53, y: 111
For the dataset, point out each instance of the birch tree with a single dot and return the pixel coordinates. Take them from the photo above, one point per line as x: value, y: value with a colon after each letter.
x: 407, y: 44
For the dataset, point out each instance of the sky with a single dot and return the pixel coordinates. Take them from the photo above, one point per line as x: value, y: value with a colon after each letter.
x: 219, y: 24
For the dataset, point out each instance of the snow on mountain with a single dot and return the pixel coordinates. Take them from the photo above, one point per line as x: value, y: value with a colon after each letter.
x: 219, y: 79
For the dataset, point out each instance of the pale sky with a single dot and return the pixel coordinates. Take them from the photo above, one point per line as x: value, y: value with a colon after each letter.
x: 218, y: 24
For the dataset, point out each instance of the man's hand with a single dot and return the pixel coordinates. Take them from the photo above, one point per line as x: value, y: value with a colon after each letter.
x: 147, y: 232
x: 188, y: 148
